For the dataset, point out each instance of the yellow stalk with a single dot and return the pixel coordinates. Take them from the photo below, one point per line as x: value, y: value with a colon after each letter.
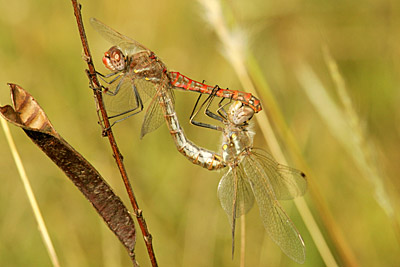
x: 31, y: 197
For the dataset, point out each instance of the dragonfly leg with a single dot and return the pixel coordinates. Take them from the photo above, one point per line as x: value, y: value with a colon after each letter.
x: 220, y: 116
x: 113, y: 93
x: 135, y: 110
x: 195, y: 113
x: 207, y: 111
x: 107, y: 75
x: 221, y: 108
x: 91, y: 84
x: 117, y: 75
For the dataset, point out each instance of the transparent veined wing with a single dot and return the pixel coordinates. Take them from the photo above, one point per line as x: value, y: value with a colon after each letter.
x: 154, y: 117
x: 287, y: 183
x: 236, y: 196
x: 127, y: 45
x: 234, y: 184
x: 276, y: 222
x: 125, y: 99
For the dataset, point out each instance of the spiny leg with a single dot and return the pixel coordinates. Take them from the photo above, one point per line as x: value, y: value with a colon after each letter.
x: 207, y: 102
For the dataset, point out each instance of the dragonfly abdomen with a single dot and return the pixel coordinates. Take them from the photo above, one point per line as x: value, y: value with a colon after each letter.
x: 180, y: 81
x: 200, y: 156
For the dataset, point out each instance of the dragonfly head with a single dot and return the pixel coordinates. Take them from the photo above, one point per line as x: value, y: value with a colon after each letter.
x: 239, y: 113
x: 114, y: 59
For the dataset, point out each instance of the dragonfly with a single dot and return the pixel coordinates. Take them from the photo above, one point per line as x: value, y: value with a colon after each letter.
x: 253, y: 175
x: 138, y: 74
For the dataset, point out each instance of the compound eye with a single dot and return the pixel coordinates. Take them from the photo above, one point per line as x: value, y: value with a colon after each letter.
x: 116, y: 56
x: 242, y: 115
x: 114, y: 59
x: 107, y: 61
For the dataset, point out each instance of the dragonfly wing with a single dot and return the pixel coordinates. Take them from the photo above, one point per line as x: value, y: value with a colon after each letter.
x: 145, y: 88
x: 153, y: 118
x: 276, y: 222
x: 236, y: 197
x: 128, y: 45
x: 155, y: 115
x: 125, y: 99
x: 286, y: 182
x: 233, y: 184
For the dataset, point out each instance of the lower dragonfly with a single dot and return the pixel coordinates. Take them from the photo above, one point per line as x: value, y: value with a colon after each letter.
x: 253, y: 175
x: 138, y: 74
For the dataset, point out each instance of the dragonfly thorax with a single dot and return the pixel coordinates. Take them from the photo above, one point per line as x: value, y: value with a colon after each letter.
x: 145, y: 65
x: 235, y: 143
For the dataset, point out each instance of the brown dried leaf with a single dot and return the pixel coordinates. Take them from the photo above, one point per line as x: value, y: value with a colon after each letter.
x: 28, y: 115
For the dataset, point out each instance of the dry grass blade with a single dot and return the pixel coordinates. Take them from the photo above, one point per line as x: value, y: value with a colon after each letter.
x: 31, y: 196
x: 356, y: 142
x: 345, y: 125
x: 234, y: 47
x: 242, y: 240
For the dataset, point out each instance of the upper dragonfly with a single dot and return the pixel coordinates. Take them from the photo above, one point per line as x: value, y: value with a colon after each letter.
x: 138, y: 74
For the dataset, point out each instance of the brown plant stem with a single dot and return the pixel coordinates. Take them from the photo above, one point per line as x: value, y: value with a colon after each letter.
x: 94, y: 82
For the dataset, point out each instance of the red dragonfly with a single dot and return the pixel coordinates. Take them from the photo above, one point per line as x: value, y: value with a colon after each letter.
x: 141, y: 75
x: 138, y: 74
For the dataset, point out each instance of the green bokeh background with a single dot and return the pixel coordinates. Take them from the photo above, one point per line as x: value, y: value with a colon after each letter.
x: 40, y: 50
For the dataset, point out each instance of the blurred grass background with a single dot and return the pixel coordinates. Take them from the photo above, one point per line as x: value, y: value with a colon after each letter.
x: 41, y: 51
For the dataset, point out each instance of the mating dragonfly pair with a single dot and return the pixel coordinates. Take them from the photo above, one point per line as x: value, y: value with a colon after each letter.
x: 250, y: 174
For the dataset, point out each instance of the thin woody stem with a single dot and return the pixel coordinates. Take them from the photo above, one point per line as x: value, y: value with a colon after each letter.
x: 95, y: 84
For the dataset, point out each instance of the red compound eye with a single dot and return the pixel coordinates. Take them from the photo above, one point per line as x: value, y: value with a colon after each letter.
x: 114, y: 59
